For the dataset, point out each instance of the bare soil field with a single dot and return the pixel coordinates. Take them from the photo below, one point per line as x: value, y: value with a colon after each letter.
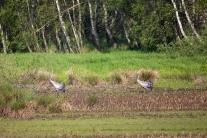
x: 128, y: 98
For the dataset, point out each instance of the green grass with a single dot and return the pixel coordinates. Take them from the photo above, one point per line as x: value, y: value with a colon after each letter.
x: 170, y: 123
x: 174, y: 70
x: 16, y: 98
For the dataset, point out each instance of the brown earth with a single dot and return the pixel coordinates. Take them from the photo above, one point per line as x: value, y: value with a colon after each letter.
x: 130, y: 98
x: 110, y: 100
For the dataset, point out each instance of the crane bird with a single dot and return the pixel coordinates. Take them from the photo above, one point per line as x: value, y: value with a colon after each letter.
x: 58, y: 86
x: 145, y: 84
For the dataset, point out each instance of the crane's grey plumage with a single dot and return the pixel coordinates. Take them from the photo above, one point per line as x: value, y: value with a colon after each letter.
x: 58, y: 86
x: 145, y: 84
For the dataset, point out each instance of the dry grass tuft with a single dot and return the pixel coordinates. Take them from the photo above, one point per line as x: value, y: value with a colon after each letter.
x: 26, y: 113
x: 199, y: 80
x: 38, y: 76
x: 146, y: 74
x: 123, y: 77
x: 73, y: 79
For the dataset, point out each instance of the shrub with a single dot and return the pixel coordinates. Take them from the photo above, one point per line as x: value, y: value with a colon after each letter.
x: 91, y: 79
x: 30, y: 96
x: 145, y: 74
x: 46, y: 100
x: 71, y: 79
x: 92, y: 100
x: 13, y: 97
x: 19, y: 104
x: 55, y: 108
x: 184, y: 47
x: 115, y: 78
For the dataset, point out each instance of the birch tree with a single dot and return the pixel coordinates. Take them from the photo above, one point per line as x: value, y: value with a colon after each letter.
x: 178, y: 19
x: 58, y: 39
x: 190, y: 22
x: 125, y: 31
x: 3, y: 40
x: 62, y: 23
x: 73, y: 28
x: 44, y: 40
x: 79, y: 29
x: 93, y: 17
x: 108, y: 28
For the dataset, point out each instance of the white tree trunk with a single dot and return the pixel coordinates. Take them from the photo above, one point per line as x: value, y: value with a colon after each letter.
x: 44, y: 39
x: 178, y: 19
x: 74, y: 29
x: 79, y: 24
x: 3, y: 40
x: 58, y: 40
x: 125, y: 31
x: 190, y: 22
x: 193, y: 1
x: 93, y: 27
x: 63, y: 27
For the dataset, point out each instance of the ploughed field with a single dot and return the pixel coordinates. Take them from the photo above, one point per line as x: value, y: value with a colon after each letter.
x: 132, y: 99
x: 114, y: 111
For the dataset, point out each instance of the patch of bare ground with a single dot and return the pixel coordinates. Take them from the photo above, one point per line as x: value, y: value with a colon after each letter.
x: 112, y: 100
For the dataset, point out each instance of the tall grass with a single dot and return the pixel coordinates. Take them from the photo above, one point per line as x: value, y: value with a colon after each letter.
x: 174, y: 68
x: 14, y: 98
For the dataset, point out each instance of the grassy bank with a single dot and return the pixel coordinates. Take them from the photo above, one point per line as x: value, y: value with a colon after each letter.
x: 178, y: 72
x: 169, y: 123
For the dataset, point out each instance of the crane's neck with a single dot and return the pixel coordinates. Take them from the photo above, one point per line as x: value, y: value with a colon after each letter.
x: 50, y: 78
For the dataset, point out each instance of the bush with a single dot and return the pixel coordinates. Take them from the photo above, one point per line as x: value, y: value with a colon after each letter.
x: 145, y: 74
x: 16, y: 105
x: 191, y: 47
x: 115, y: 78
x: 91, y: 79
x: 92, y: 100
x: 46, y: 100
x: 55, y: 108
x: 13, y: 97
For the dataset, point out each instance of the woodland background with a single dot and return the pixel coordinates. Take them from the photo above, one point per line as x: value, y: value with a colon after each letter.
x: 80, y: 26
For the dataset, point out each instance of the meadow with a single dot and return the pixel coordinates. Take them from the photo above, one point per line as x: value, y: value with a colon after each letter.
x: 176, y: 71
x: 154, y: 124
x: 102, y: 97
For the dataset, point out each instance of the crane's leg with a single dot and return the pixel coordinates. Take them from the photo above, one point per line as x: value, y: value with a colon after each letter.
x: 144, y: 89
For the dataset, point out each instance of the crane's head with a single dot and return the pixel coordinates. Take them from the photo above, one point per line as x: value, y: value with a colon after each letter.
x: 50, y: 77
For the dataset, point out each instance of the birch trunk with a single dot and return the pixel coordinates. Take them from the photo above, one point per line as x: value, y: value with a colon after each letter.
x: 125, y: 31
x: 93, y: 21
x: 108, y: 29
x: 79, y: 24
x: 64, y: 28
x: 58, y: 40
x: 33, y: 29
x: 28, y: 47
x: 74, y: 29
x: 193, y: 1
x: 45, y: 42
x: 178, y: 19
x: 190, y: 22
x: 3, y: 40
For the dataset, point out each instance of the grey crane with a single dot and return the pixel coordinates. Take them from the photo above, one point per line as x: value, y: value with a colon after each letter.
x: 145, y: 84
x: 58, y: 86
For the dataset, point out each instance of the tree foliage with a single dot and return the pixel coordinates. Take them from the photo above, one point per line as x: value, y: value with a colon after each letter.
x: 31, y: 25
